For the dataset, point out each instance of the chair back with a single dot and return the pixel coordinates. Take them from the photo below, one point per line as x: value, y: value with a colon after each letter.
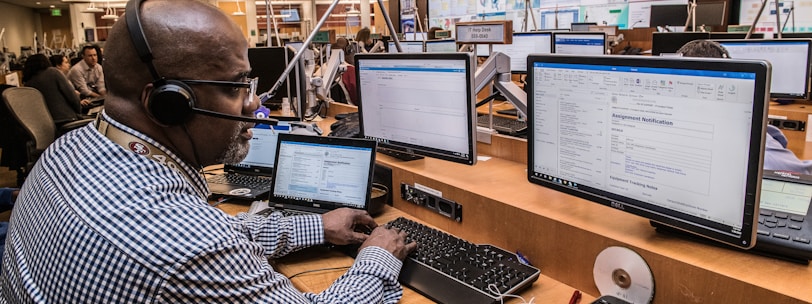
x: 27, y: 105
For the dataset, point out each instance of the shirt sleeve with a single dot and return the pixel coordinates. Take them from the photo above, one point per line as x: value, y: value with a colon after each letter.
x: 77, y: 78
x: 778, y: 157
x: 280, y: 235
x: 238, y: 272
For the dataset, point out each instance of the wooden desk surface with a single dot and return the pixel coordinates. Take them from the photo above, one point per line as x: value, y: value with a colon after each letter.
x: 545, y: 289
x: 563, y: 235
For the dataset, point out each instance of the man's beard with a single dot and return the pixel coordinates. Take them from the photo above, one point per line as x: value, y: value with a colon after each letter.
x: 236, y: 150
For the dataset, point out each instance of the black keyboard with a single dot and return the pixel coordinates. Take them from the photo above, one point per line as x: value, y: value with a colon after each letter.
x: 503, y: 125
x: 247, y: 181
x: 448, y: 269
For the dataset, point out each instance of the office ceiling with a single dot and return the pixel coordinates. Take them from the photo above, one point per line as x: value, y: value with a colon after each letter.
x: 45, y: 4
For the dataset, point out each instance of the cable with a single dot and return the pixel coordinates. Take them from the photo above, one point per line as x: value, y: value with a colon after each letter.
x: 317, y: 270
x: 488, y: 99
x: 493, y: 289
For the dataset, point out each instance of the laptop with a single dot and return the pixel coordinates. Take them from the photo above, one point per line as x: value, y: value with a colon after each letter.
x: 251, y: 178
x: 317, y: 174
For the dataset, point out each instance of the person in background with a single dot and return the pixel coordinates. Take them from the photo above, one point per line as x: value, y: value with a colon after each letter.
x: 117, y: 211
x: 432, y: 34
x: 776, y: 154
x: 60, y: 97
x: 87, y: 76
x: 61, y: 63
x: 364, y: 38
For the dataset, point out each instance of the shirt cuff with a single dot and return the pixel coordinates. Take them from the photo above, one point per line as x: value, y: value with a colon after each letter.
x: 308, y: 230
x: 378, y: 255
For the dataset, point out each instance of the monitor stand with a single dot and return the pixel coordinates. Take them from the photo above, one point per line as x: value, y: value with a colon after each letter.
x: 401, y: 155
x: 784, y: 101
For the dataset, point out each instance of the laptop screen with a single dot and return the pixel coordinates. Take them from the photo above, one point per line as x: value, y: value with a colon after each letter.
x: 260, y: 158
x: 323, y: 172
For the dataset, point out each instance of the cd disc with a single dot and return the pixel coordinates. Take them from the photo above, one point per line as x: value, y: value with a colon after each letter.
x: 623, y: 273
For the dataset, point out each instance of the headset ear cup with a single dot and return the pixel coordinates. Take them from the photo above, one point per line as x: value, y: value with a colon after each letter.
x: 171, y: 102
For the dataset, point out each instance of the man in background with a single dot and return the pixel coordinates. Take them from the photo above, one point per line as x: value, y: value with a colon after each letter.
x: 87, y: 76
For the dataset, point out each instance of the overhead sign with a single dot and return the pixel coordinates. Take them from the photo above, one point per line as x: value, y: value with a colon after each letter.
x: 485, y: 32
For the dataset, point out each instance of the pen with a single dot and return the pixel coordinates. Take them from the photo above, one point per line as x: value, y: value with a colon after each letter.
x: 522, y: 259
x: 576, y: 296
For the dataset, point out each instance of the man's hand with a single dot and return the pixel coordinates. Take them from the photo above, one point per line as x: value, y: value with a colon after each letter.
x: 392, y: 240
x: 340, y: 226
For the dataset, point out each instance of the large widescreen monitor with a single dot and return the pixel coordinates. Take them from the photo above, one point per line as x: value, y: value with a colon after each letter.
x: 441, y: 46
x: 711, y: 13
x: 523, y: 45
x: 674, y: 139
x: 584, y: 43
x: 407, y: 47
x: 789, y: 58
x: 670, y: 42
x: 419, y: 104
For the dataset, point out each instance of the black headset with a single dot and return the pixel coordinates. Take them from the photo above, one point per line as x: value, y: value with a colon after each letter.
x: 171, y: 102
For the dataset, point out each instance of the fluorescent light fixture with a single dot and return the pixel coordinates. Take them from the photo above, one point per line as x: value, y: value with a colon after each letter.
x: 239, y: 11
x: 92, y: 9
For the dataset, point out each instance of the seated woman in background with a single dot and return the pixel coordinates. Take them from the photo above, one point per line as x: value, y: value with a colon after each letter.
x: 776, y: 154
x: 60, y: 97
x: 61, y: 63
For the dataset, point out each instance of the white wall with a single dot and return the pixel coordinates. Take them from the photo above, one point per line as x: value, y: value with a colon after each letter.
x: 20, y: 24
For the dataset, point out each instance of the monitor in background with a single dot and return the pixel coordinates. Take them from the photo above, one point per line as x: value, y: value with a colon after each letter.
x: 711, y: 13
x: 291, y: 13
x: 441, y: 46
x: 415, y: 36
x: 268, y: 63
x: 795, y: 35
x: 297, y: 45
x: 675, y: 140
x: 523, y: 45
x: 671, y: 42
x: 668, y: 15
x: 581, y: 26
x: 734, y: 35
x: 789, y: 59
x: 407, y: 47
x: 419, y: 103
x: 586, y: 43
x: 482, y: 50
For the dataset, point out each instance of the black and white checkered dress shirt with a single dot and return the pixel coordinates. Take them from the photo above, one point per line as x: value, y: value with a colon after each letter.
x: 97, y: 223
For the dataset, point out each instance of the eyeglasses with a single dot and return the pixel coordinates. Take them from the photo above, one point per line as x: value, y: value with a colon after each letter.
x: 250, y: 84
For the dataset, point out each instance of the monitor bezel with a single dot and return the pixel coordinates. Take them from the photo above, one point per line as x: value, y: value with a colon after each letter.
x: 404, y: 42
x: 658, y: 214
x: 470, y: 66
x: 781, y: 95
x: 552, y: 46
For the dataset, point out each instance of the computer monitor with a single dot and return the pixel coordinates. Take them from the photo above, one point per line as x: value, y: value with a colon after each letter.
x: 789, y: 59
x: 441, y: 46
x: 581, y: 26
x: 523, y: 45
x: 711, y: 13
x: 291, y: 13
x: 415, y: 36
x: 407, y: 47
x: 668, y: 15
x: 268, y: 63
x: 586, y: 43
x: 420, y: 104
x: 735, y: 35
x: 482, y: 50
x: 795, y: 35
x: 677, y: 140
x: 671, y: 42
x: 297, y: 45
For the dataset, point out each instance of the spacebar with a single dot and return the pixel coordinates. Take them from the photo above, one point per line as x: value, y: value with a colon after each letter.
x: 439, y: 286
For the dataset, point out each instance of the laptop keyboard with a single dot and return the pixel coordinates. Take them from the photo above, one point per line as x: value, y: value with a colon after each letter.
x: 509, y: 126
x: 247, y: 181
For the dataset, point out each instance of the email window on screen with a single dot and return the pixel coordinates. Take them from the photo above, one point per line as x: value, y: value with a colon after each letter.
x: 423, y: 103
x: 647, y: 133
x: 322, y: 173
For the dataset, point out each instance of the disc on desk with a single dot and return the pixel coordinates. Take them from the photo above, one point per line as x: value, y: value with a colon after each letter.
x: 622, y: 273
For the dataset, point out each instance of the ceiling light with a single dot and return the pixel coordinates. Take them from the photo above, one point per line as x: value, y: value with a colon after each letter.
x: 92, y: 9
x: 110, y: 13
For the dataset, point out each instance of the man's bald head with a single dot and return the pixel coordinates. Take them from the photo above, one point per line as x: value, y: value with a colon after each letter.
x: 188, y: 39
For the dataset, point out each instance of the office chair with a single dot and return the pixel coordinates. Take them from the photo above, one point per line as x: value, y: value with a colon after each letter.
x: 27, y: 107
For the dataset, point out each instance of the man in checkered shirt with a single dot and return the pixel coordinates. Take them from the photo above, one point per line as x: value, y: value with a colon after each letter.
x: 97, y: 222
